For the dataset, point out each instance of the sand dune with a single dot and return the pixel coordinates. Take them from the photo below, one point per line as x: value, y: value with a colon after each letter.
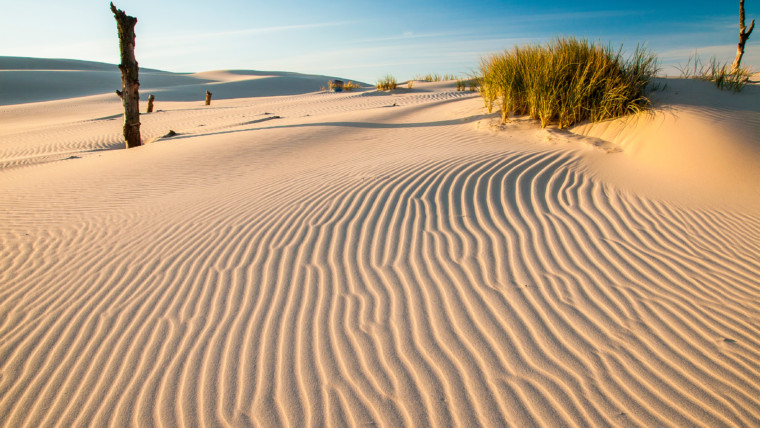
x: 30, y: 80
x: 701, y: 143
x: 364, y: 259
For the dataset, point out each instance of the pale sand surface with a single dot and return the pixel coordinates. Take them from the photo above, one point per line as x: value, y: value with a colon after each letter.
x: 355, y: 263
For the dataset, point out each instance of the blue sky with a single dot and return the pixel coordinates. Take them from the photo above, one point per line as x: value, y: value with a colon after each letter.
x: 363, y: 41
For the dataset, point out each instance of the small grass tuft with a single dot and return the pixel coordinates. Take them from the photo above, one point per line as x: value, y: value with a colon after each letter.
x: 462, y: 84
x: 567, y: 81
x: 436, y: 77
x: 387, y: 83
x: 350, y: 86
x: 716, y: 72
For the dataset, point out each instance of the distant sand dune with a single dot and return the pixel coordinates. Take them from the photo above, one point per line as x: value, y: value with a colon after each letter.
x: 31, y: 80
x: 356, y: 263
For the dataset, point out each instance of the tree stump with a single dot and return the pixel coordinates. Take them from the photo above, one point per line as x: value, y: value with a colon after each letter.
x: 743, y: 36
x: 208, y: 98
x: 150, y: 103
x: 130, y: 84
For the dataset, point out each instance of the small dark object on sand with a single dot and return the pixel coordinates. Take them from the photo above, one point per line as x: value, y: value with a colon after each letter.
x: 151, y: 98
x: 261, y: 120
x: 169, y: 134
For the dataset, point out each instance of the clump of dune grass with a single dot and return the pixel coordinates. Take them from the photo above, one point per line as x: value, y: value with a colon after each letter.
x: 567, y: 81
x: 431, y: 77
x: 716, y: 72
x: 463, y: 84
x: 410, y: 83
x: 350, y: 86
x: 386, y: 83
x: 436, y: 77
x: 331, y: 86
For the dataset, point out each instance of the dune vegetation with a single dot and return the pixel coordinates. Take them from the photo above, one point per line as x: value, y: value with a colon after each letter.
x: 387, y: 83
x: 714, y: 71
x: 463, y: 84
x: 350, y: 86
x: 436, y: 77
x: 567, y: 81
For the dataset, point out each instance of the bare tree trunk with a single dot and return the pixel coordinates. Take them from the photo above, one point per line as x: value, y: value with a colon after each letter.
x: 743, y: 36
x: 130, y: 85
x: 208, y: 98
x: 150, y: 103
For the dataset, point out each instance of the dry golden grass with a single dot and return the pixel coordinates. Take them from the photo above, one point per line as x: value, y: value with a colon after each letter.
x: 717, y: 72
x: 387, y: 83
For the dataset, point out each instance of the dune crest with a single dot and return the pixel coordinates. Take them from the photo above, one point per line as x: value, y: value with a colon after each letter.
x: 33, y: 80
x: 697, y: 143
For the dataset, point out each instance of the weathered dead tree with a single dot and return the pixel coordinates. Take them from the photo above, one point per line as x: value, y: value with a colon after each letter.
x: 130, y: 84
x: 150, y: 103
x: 743, y: 36
x: 208, y: 98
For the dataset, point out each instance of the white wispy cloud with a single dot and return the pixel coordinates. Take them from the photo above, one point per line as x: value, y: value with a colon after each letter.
x: 276, y: 29
x: 409, y: 35
x: 184, y: 38
x: 576, y: 16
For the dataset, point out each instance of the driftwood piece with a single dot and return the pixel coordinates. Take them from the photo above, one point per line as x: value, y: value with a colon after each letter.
x: 743, y: 36
x: 208, y: 98
x: 150, y: 103
x: 130, y: 84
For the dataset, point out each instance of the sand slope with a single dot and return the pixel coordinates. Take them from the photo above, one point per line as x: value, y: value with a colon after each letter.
x: 31, y: 80
x: 356, y: 263
x: 700, y: 143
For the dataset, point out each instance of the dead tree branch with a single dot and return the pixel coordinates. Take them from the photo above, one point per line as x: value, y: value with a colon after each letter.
x: 743, y: 36
x: 130, y: 84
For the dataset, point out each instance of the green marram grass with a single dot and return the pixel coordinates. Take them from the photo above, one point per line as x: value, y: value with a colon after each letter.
x: 567, y: 81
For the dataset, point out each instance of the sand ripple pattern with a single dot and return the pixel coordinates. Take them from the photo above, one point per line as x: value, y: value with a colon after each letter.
x: 492, y: 288
x: 98, y: 127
